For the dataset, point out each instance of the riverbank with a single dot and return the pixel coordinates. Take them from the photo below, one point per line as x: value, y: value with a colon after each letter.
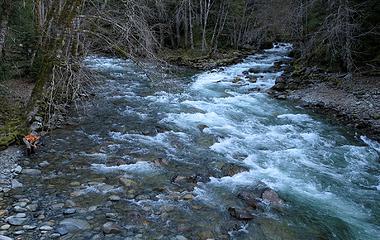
x: 14, y: 95
x: 201, y: 61
x: 352, y: 100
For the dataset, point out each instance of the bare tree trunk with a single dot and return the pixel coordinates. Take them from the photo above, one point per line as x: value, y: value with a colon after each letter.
x: 206, y: 12
x: 191, y: 25
x: 5, y: 9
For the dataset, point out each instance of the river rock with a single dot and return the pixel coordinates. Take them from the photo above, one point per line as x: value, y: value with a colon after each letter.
x: 19, y: 209
x: 111, y: 228
x: 202, y: 127
x: 249, y: 198
x: 62, y: 231
x: 254, y: 70
x: 16, y: 184
x: 69, y: 211
x: 252, y: 79
x: 43, y: 164
x: 31, y: 171
x: 237, y: 80
x: 72, y: 224
x: 180, y: 237
x: 114, y: 198
x: 46, y: 228
x: 126, y: 182
x: 5, y: 227
x: 32, y: 207
x: 272, y: 197
x: 29, y: 227
x: 240, y: 214
x: 15, y: 221
x: 18, y: 169
x: 70, y: 203
x: 229, y: 169
x: 2, y: 237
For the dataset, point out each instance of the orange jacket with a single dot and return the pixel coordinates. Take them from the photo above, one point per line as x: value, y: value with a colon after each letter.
x: 32, y: 138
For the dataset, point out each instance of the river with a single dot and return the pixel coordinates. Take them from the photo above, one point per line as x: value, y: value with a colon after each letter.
x: 174, y: 158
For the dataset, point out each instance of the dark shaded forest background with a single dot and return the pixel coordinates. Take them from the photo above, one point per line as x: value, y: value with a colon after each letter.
x: 45, y: 41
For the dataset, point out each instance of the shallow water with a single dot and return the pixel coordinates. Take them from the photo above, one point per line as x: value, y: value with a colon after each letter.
x: 196, y: 125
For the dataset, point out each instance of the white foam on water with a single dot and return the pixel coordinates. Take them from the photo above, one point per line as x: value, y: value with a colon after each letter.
x: 372, y: 143
x: 141, y: 167
x: 298, y: 118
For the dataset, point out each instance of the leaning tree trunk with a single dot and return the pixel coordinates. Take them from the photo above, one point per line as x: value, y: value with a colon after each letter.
x: 57, y: 25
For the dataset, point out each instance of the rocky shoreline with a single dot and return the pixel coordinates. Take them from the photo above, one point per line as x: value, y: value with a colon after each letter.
x: 352, y: 100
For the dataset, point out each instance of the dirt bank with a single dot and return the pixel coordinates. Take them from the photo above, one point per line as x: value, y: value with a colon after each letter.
x: 353, y: 100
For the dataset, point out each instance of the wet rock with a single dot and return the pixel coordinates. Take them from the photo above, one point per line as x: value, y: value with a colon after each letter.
x: 19, y: 209
x: 111, y: 228
x: 70, y: 203
x: 21, y: 204
x: 46, y: 228
x: 72, y: 224
x: 160, y: 162
x: 188, y: 197
x: 127, y: 183
x: 249, y: 198
x: 57, y: 206
x: 180, y: 237
x: 232, y: 169
x: 15, y: 220
x: 18, y: 169
x: 31, y: 171
x: 142, y: 197
x: 111, y: 215
x: 240, y: 214
x: 2, y: 237
x: 69, y: 211
x: 32, y: 207
x: 254, y: 70
x: 114, y: 198
x: 202, y: 127
x: 252, y: 79
x: 43, y: 164
x: 62, y: 231
x: 237, y: 80
x: 5, y: 227
x: 29, y: 227
x: 272, y: 197
x: 55, y: 235
x: 19, y: 232
x: 16, y: 184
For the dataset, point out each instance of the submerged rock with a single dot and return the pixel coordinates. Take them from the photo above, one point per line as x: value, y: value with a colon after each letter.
x: 126, y: 182
x: 31, y: 171
x: 272, y: 197
x: 249, y: 198
x: 15, y: 220
x: 72, y: 224
x: 240, y: 214
x: 111, y: 228
x: 2, y: 237
x: 16, y: 184
x: 230, y: 169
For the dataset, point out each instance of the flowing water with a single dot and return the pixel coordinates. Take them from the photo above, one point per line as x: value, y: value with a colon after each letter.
x: 187, y: 145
